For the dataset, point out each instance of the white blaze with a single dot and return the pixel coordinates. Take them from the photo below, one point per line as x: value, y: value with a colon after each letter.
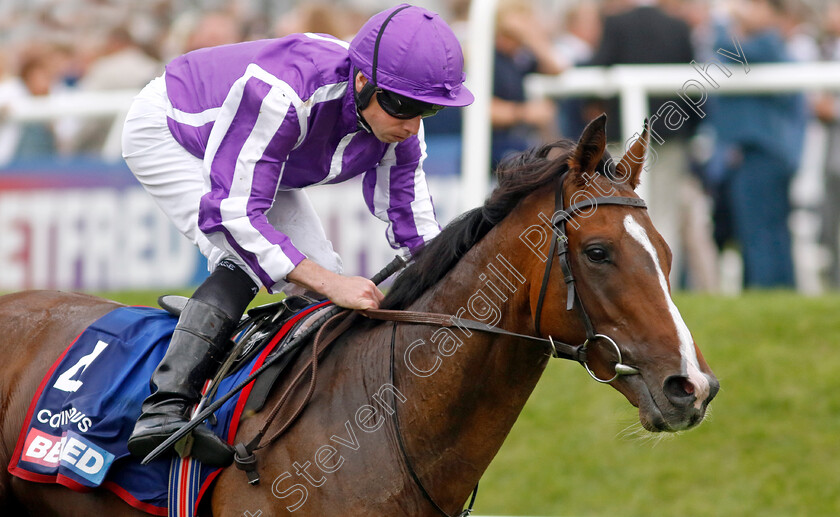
x: 689, y: 357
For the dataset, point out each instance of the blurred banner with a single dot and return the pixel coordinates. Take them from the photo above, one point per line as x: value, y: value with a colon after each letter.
x: 87, y: 225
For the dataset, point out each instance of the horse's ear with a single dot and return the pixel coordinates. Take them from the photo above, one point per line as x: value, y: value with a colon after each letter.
x: 631, y: 164
x: 589, y: 149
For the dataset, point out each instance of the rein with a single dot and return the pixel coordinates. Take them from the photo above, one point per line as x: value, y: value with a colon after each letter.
x: 245, y: 458
x: 558, y: 348
x: 559, y: 245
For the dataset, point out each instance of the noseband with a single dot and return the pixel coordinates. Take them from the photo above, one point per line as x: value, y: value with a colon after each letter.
x: 560, y: 246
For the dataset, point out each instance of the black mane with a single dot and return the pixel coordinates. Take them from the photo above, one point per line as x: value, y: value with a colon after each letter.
x: 518, y: 176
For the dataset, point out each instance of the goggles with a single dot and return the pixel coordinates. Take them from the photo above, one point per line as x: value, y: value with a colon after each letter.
x: 402, y: 107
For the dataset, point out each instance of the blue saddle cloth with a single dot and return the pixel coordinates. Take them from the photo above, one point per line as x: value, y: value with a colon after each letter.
x: 78, y: 423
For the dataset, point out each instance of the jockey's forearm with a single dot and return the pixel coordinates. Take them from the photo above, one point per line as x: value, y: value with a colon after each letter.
x: 351, y: 292
x: 309, y: 275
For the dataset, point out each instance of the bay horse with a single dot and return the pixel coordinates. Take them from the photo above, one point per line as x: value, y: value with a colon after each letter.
x: 406, y: 417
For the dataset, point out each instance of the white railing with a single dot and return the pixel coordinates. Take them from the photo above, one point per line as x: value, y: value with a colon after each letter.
x: 475, y: 155
x: 632, y: 84
x: 81, y: 105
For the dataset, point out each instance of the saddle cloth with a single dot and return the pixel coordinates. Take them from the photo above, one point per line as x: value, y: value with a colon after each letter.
x: 79, y: 420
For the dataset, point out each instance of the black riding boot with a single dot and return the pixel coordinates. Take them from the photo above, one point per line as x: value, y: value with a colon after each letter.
x: 199, y: 344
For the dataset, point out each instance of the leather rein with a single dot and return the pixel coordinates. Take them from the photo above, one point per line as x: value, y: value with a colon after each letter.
x: 558, y: 349
x: 341, y: 321
x: 558, y: 246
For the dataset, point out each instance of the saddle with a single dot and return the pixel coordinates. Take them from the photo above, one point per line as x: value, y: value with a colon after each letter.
x: 256, y: 330
x: 262, y: 327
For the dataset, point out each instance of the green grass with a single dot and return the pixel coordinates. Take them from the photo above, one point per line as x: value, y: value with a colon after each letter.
x: 771, y: 446
x: 150, y: 297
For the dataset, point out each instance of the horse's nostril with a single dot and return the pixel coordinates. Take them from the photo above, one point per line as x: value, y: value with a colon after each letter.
x: 679, y: 390
x: 714, y: 387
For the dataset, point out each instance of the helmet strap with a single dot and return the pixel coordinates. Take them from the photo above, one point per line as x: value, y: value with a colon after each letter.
x: 364, y: 96
x: 362, y: 99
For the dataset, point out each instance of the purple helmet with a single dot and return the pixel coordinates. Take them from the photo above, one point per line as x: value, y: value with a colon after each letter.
x: 411, y: 51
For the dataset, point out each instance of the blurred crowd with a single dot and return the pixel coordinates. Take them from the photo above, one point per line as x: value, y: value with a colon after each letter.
x: 719, y: 180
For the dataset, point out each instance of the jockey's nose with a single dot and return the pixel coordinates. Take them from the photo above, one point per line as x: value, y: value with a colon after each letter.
x: 412, y: 125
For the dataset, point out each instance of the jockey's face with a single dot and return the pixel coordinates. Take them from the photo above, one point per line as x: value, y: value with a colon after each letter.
x: 386, y: 128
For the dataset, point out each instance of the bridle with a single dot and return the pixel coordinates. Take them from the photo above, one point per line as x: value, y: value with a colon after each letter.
x: 559, y: 245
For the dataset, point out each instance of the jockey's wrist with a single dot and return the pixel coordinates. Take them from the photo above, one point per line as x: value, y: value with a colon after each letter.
x: 313, y: 277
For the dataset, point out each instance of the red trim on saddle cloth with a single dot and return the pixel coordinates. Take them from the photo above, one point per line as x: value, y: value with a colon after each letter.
x: 59, y: 479
x: 109, y: 485
x: 128, y: 498
x: 246, y: 391
x: 183, y: 488
x: 13, y: 465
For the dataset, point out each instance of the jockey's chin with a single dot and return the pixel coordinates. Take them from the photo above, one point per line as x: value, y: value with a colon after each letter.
x: 392, y: 139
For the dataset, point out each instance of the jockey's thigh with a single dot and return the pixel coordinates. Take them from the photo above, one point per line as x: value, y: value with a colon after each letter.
x: 169, y: 173
x: 293, y: 214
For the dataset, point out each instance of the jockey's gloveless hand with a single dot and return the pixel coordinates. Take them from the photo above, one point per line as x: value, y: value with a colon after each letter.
x: 350, y: 292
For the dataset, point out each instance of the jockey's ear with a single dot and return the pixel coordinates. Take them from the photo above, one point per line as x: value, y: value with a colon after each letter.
x: 589, y: 150
x: 359, y: 81
x: 630, y: 167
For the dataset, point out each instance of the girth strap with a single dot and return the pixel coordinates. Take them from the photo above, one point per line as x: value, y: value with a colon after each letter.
x: 244, y: 456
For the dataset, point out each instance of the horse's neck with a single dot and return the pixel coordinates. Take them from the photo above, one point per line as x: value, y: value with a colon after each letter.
x: 460, y: 407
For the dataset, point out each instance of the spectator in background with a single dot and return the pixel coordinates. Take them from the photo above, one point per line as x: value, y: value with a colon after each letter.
x: 581, y: 34
x: 645, y: 34
x: 212, y: 29
x: 759, y: 142
x: 121, y: 64
x: 827, y: 109
x: 459, y: 18
x: 36, y: 139
x: 316, y: 17
x: 698, y: 15
x: 523, y: 47
x: 11, y: 89
x: 799, y: 33
x: 575, y: 46
x: 192, y: 30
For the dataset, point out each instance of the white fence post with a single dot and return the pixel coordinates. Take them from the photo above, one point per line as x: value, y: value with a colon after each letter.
x: 475, y: 149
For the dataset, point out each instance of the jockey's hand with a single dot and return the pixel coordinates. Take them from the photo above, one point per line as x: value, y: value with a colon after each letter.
x: 350, y: 292
x: 354, y: 292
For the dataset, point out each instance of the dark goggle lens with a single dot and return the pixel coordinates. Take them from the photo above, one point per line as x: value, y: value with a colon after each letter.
x: 400, y: 106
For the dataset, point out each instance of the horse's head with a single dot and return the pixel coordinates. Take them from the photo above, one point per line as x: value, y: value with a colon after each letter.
x: 620, y: 265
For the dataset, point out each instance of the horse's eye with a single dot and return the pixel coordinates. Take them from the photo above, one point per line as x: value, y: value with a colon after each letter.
x: 596, y: 254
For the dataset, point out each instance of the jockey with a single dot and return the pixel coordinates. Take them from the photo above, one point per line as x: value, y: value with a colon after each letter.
x: 226, y: 139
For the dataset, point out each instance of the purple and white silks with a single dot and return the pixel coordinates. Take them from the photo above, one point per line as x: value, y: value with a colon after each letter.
x: 279, y: 114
